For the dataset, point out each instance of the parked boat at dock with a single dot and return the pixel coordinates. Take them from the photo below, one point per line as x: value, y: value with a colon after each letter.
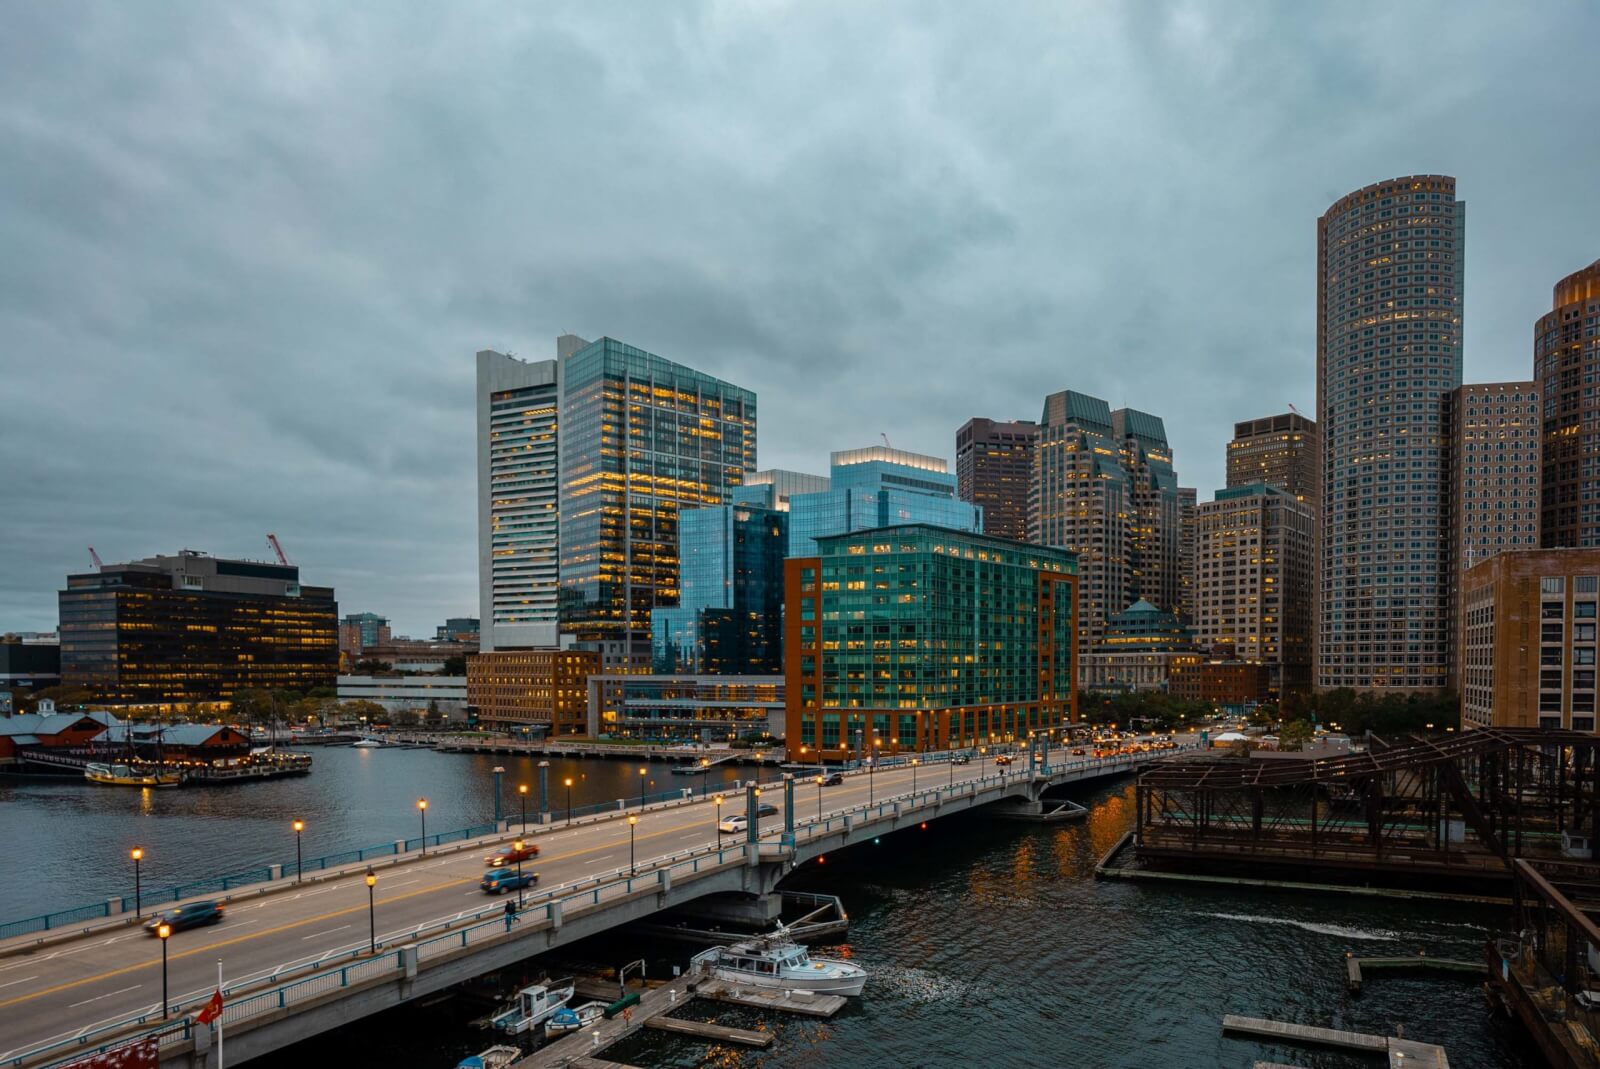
x: 129, y: 776
x: 532, y: 1006
x: 777, y: 962
x: 496, y: 1057
x: 571, y: 1018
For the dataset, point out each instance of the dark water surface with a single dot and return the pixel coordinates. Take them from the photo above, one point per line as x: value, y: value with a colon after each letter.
x: 990, y: 943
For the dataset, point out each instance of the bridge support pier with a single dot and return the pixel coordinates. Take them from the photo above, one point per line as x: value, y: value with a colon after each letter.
x: 756, y: 911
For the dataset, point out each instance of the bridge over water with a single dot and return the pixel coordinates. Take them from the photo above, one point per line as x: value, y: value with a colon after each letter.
x: 320, y: 954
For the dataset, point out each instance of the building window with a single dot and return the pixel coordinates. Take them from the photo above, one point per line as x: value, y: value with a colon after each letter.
x: 1553, y: 584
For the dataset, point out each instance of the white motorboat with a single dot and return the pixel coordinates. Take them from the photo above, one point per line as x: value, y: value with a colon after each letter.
x: 532, y: 1006
x: 497, y: 1057
x: 572, y: 1018
x: 367, y: 744
x: 776, y: 962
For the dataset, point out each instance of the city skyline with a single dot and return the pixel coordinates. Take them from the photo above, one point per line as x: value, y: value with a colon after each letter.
x: 315, y: 377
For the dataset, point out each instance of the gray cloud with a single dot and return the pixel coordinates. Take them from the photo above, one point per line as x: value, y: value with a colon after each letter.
x: 249, y: 252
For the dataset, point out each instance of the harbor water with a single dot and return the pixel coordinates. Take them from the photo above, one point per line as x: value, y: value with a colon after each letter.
x: 988, y: 942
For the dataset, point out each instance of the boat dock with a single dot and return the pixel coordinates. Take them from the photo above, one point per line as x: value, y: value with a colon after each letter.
x: 1419, y: 962
x: 585, y: 1047
x: 1397, y: 1051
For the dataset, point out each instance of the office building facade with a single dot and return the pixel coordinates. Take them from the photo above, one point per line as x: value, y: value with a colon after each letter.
x: 518, y: 498
x: 1528, y: 639
x: 994, y: 470
x: 1254, y: 581
x: 1138, y: 652
x: 362, y: 630
x: 687, y: 708
x: 1104, y: 489
x: 1389, y: 315
x: 774, y: 487
x: 1282, y: 451
x: 642, y: 438
x: 1566, y: 367
x: 191, y: 630
x: 878, y: 487
x: 1188, y: 500
x: 729, y: 617
x: 533, y: 691
x: 921, y: 637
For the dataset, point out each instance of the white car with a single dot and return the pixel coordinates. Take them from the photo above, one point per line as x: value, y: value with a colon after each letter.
x: 739, y: 821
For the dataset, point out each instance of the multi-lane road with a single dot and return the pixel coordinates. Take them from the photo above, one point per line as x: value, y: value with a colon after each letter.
x: 58, y: 991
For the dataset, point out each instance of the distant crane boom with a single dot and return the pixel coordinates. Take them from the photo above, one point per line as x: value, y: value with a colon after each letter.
x: 272, y: 540
x: 885, y: 438
x: 95, y: 557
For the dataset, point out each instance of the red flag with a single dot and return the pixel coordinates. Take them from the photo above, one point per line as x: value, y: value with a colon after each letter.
x: 211, y: 1010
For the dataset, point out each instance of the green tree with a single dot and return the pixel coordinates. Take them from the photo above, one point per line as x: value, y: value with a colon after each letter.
x: 1295, y: 734
x: 455, y: 666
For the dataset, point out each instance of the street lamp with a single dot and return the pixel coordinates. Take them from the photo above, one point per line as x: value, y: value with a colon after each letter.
x: 755, y: 818
x: 498, y: 771
x: 422, y: 809
x: 517, y: 846
x: 299, y: 868
x: 642, y: 773
x: 719, y: 823
x: 632, y: 823
x: 164, y: 931
x: 872, y: 768
x: 569, y: 801
x: 914, y: 764
x: 522, y: 793
x: 137, y: 853
x: 819, y: 797
x: 372, y: 915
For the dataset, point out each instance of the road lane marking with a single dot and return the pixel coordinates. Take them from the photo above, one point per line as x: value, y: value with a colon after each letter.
x: 108, y: 994
x: 330, y: 931
x: 24, y: 980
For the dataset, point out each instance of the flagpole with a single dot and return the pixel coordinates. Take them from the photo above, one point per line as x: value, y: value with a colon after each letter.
x: 219, y: 1016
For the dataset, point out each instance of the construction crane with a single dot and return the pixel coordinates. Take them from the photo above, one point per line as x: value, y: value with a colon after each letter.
x: 272, y: 540
x: 885, y: 438
x: 1293, y: 409
x: 96, y: 558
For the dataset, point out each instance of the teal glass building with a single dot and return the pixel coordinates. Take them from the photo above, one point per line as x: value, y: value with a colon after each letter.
x: 877, y: 487
x: 919, y: 637
x: 729, y: 619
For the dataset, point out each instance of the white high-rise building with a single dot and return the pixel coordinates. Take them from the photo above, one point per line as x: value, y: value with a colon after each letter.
x: 518, y: 498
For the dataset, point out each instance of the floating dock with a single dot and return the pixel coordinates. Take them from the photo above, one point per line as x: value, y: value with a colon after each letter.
x: 1355, y: 966
x: 1395, y: 1050
x: 715, y: 1033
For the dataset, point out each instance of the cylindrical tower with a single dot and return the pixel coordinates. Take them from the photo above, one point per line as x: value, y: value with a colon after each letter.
x: 1389, y: 283
x: 1566, y: 362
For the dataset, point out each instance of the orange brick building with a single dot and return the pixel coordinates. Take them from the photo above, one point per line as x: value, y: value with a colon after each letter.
x: 1225, y: 683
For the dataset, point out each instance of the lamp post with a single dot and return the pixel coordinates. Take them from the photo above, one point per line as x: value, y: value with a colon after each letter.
x: 569, y: 801
x: 642, y: 773
x: 165, y: 932
x: 873, y: 768
x: 299, y: 867
x: 819, y: 797
x: 422, y: 809
x: 914, y: 764
x: 137, y: 853
x: 632, y: 822
x: 372, y: 914
x: 522, y: 793
x: 719, y: 823
x: 498, y: 771
x: 517, y: 846
x: 755, y: 817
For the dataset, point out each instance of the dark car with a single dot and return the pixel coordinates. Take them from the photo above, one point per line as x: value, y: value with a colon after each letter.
x: 833, y: 779
x: 499, y: 881
x: 511, y: 855
x: 1078, y: 752
x: 178, y: 918
x: 961, y: 759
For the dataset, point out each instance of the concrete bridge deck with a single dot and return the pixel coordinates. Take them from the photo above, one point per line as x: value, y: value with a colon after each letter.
x: 299, y: 962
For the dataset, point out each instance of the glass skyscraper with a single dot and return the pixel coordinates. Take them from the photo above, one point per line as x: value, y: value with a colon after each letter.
x: 877, y: 487
x: 729, y: 619
x: 641, y: 438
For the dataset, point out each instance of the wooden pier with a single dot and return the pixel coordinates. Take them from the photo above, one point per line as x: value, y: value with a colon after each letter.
x: 716, y: 1033
x: 1396, y: 1051
x: 1354, y: 967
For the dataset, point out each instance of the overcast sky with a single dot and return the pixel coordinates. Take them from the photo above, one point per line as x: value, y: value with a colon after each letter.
x: 247, y: 252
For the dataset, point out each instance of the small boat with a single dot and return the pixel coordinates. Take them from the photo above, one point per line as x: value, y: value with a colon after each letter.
x: 496, y: 1057
x: 533, y: 1006
x: 128, y: 776
x: 690, y: 770
x: 572, y: 1018
x: 367, y: 744
x: 777, y: 962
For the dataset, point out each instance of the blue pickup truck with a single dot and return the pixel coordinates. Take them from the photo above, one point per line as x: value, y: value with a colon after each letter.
x: 499, y: 881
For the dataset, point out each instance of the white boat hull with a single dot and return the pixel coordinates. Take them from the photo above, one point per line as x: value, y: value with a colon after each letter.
x: 822, y: 985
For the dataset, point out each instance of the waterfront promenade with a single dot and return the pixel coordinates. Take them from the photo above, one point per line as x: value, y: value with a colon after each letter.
x: 66, y: 989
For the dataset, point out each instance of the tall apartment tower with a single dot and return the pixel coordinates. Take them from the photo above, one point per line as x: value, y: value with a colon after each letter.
x: 1491, y: 433
x: 642, y: 437
x: 1279, y: 451
x: 1188, y: 499
x: 1389, y: 305
x: 1104, y: 488
x: 1253, y: 586
x: 1566, y: 365
x: 994, y: 469
x: 518, y: 484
